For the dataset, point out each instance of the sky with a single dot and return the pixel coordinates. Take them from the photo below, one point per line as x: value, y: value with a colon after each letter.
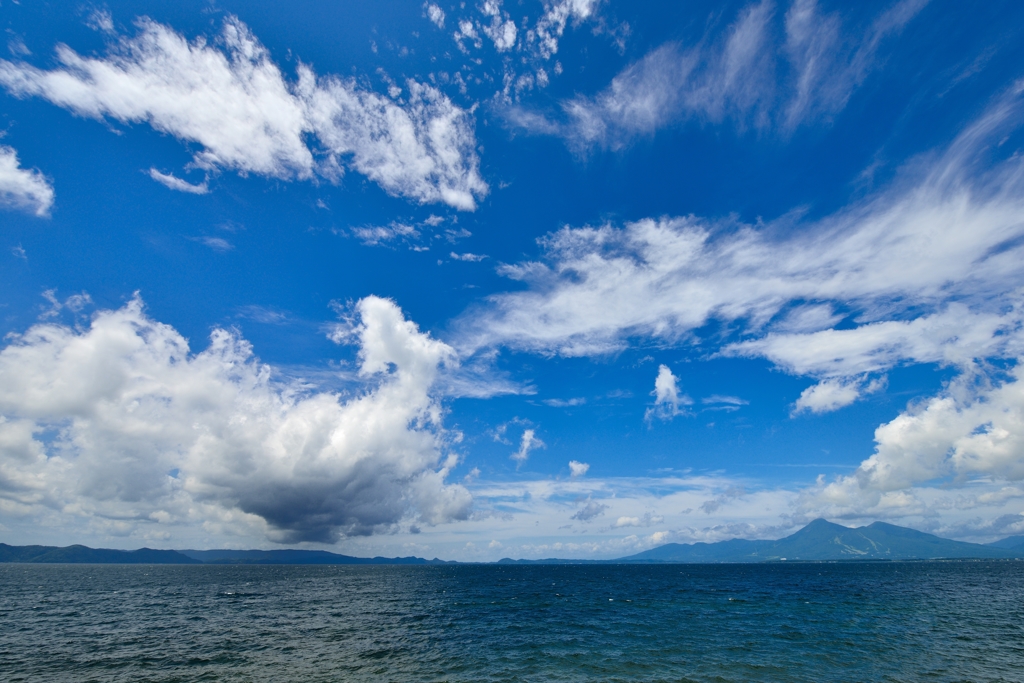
x: 556, y: 278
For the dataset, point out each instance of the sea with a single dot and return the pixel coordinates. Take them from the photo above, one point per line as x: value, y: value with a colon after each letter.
x: 884, y: 621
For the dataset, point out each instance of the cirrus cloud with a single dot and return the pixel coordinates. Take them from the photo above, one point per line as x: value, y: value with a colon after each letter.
x: 947, y: 231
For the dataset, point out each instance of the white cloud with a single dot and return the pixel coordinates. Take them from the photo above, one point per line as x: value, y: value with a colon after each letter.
x: 22, y: 189
x: 564, y: 402
x: 549, y: 28
x: 434, y: 13
x: 263, y: 314
x: 502, y: 30
x: 983, y: 434
x: 647, y: 520
x: 847, y: 359
x: 472, y: 258
x: 576, y: 517
x: 808, y: 318
x: 17, y: 47
x: 425, y: 150
x: 75, y: 303
x: 120, y: 424
x: 955, y: 335
x: 232, y: 99
x: 375, y: 235
x: 541, y: 509
x: 528, y: 442
x: 577, y: 468
x: 641, y: 99
x: 541, y: 41
x: 826, y: 69
x: 100, y: 20
x: 235, y: 103
x: 467, y: 31
x: 718, y: 399
x: 174, y: 183
x: 828, y: 395
x: 534, y: 46
x: 972, y: 431
x: 216, y: 243
x: 946, y: 230
x: 668, y: 402
x: 732, y: 76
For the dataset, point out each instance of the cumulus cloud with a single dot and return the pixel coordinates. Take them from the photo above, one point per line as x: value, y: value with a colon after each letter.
x: 972, y: 430
x: 502, y: 30
x: 122, y: 422
x: 23, y: 189
x: 833, y: 394
x: 743, y: 74
x: 232, y: 99
x: 647, y: 520
x: 577, y: 468
x: 668, y: 402
x: 434, y: 13
x: 528, y: 442
x: 947, y: 230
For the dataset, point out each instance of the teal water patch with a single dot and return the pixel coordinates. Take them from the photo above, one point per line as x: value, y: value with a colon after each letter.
x: 928, y: 621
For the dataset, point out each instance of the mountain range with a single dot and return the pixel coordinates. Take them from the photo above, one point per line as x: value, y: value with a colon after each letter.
x: 80, y: 554
x: 823, y: 540
x: 818, y: 541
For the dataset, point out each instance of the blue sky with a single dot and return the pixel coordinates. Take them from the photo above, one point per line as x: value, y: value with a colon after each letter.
x: 569, y: 278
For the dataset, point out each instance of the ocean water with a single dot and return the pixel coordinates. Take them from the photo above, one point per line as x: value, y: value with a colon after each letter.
x: 929, y: 621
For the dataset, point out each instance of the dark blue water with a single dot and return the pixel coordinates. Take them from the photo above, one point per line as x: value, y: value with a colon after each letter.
x: 811, y: 622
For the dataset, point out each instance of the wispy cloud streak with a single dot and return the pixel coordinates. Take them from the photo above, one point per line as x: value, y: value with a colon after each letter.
x: 233, y: 100
x: 745, y: 74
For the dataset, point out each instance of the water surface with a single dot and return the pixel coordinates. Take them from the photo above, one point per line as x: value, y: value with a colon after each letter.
x: 928, y: 621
